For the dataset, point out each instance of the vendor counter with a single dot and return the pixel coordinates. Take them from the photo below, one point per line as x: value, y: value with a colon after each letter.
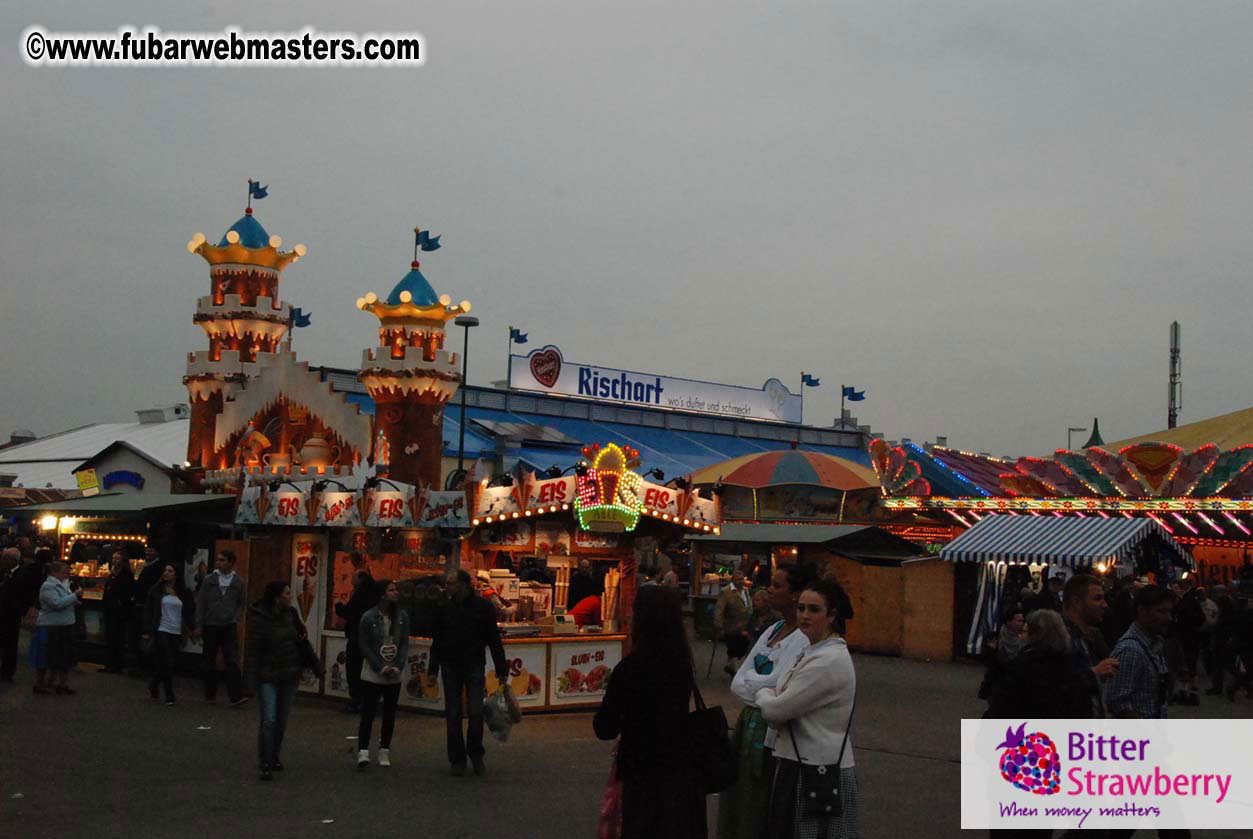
x: 546, y: 673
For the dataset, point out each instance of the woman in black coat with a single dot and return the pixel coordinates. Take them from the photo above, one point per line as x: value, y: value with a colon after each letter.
x: 646, y: 706
x: 1041, y: 682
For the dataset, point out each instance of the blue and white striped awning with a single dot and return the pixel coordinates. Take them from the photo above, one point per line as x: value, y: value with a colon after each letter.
x: 1050, y: 540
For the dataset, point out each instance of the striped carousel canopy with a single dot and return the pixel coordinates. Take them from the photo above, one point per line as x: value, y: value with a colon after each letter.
x: 1072, y: 542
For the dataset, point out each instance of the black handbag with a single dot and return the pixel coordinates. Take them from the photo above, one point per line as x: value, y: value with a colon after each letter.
x: 820, y: 785
x: 709, y: 744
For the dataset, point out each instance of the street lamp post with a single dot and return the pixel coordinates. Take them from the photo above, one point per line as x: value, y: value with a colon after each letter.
x: 1070, y: 431
x: 465, y: 321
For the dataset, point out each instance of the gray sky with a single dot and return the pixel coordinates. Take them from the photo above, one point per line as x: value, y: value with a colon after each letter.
x: 985, y: 214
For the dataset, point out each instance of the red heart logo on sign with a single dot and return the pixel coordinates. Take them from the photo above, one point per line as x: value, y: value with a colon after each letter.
x: 546, y: 367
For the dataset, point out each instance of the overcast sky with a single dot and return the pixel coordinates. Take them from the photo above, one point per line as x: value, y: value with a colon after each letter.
x: 984, y: 214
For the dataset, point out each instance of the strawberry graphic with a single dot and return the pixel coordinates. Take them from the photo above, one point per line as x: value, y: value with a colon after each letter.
x: 1030, y: 762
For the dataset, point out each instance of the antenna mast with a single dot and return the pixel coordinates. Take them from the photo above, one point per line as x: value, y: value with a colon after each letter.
x: 1176, y: 387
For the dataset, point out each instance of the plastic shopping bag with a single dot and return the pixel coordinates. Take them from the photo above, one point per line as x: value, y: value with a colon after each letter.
x: 511, y: 701
x: 496, y: 715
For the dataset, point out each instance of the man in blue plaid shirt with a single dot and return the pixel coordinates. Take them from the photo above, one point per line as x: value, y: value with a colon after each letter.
x: 1140, y: 685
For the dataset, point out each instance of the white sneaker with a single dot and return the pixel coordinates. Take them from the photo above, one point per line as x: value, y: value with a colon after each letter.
x: 363, y: 758
x: 385, y: 757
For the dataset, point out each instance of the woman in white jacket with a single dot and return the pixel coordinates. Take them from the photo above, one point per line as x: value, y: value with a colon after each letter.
x: 811, y: 710
x: 742, y: 809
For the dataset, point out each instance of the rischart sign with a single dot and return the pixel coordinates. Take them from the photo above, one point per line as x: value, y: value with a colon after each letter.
x: 545, y: 371
x: 1104, y: 773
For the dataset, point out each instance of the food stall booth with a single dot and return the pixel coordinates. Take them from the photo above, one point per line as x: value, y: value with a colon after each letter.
x: 605, y: 513
x: 184, y: 528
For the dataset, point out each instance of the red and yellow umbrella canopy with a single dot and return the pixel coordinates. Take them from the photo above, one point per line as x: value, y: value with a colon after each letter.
x: 789, y: 467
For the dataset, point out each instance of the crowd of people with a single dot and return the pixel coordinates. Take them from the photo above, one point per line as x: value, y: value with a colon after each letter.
x: 1119, y: 648
x: 1084, y: 647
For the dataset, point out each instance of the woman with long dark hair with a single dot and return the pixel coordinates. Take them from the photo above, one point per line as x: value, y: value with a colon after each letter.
x: 812, y: 711
x: 169, y: 616
x: 274, y: 664
x: 646, y: 706
x: 742, y: 809
x: 383, y: 638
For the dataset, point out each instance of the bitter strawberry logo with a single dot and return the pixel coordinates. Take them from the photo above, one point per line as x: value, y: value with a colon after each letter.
x: 1030, y: 761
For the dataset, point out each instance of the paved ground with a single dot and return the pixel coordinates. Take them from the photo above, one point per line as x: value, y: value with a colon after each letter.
x: 111, y: 760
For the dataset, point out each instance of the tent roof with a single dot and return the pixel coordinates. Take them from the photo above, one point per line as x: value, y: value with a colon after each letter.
x: 857, y: 541
x: 1072, y: 542
x: 1226, y: 431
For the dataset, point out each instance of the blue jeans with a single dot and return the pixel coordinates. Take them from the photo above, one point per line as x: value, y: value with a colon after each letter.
x: 274, y: 700
x: 473, y: 682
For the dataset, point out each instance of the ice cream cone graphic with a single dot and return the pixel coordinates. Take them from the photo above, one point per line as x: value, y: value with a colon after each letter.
x: 262, y: 503
x: 365, y: 504
x: 305, y: 598
x: 312, y: 504
x: 417, y: 503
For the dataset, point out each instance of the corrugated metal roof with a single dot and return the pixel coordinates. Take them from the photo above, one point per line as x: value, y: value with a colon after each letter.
x: 124, y: 503
x: 50, y: 460
x: 780, y: 534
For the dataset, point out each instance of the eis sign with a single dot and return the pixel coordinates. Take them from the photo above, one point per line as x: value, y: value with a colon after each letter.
x: 545, y: 370
x: 1108, y: 774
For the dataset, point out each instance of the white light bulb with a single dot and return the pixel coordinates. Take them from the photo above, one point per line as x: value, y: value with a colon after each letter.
x: 444, y: 300
x: 371, y: 298
x: 300, y: 250
x: 360, y: 302
x: 191, y: 246
x: 406, y: 296
x: 465, y: 305
x: 276, y: 241
x: 232, y: 236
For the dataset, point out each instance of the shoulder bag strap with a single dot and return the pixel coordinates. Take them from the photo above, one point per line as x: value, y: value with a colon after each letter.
x: 700, y: 701
x: 843, y: 745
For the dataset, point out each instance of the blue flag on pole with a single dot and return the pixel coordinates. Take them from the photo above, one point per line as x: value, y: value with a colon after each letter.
x: 516, y: 335
x: 256, y: 190
x: 811, y: 381
x: 852, y: 394
x: 300, y: 318
x: 427, y: 242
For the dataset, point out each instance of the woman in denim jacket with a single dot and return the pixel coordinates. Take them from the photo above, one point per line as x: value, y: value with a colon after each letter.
x: 384, y: 640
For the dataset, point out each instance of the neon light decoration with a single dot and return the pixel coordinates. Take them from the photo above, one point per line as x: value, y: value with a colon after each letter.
x: 1074, y: 505
x: 607, y: 496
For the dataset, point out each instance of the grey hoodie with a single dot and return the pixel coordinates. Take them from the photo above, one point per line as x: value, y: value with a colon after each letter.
x: 216, y: 606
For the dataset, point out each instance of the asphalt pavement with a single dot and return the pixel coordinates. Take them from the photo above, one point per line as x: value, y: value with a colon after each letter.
x: 110, y: 761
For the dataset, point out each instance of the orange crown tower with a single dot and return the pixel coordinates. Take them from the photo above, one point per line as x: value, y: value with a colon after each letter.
x: 410, y: 375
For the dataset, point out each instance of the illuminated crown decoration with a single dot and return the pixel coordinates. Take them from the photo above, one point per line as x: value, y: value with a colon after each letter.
x: 246, y: 244
x: 413, y: 302
x: 608, y: 492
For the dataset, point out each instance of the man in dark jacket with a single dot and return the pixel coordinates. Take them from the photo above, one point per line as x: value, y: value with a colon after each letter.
x: 18, y: 594
x: 117, y: 605
x: 149, y: 575
x: 363, y: 599
x: 467, y: 625
x: 1083, y: 612
x: 219, y: 608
